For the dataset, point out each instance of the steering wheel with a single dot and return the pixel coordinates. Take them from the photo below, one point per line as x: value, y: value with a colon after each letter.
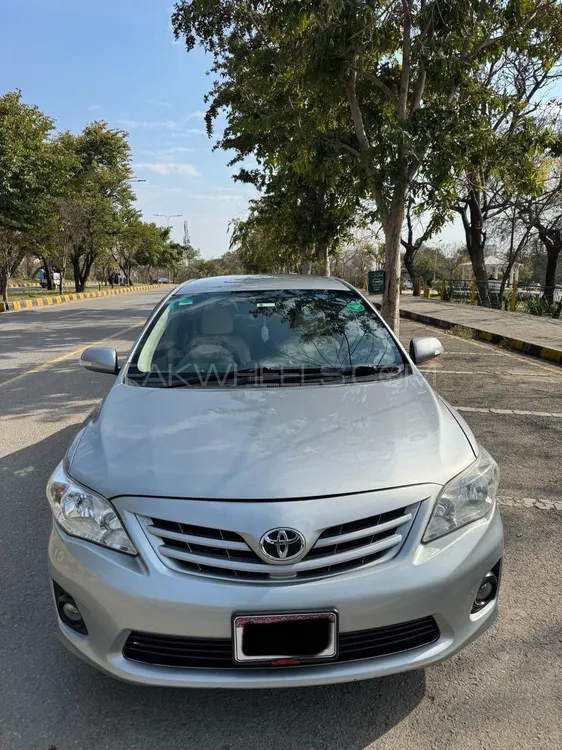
x: 205, y: 355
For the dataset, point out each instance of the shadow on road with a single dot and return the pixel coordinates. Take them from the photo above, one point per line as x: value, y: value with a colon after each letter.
x: 49, y: 699
x: 56, y: 328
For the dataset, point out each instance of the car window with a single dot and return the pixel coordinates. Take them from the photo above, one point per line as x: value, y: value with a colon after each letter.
x: 273, y: 331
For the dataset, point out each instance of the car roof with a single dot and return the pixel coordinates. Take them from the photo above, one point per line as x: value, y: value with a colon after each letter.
x: 259, y: 281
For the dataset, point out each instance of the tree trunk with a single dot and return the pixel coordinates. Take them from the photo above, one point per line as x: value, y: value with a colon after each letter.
x: 76, y: 272
x: 552, y: 254
x: 479, y: 268
x: 48, y: 273
x: 324, y: 261
x: 505, y: 277
x: 392, y: 227
x: 475, y: 243
x: 409, y: 263
x: 4, y: 277
x: 86, y: 270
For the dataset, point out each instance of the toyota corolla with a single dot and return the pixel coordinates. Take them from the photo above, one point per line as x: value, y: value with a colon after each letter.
x: 271, y: 494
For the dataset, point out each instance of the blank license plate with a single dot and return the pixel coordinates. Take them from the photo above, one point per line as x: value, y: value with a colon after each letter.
x: 285, y: 639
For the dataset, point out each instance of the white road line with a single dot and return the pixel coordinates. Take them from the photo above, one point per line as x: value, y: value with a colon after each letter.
x: 480, y: 354
x: 481, y: 345
x: 506, y: 373
x: 511, y: 412
x: 531, y: 502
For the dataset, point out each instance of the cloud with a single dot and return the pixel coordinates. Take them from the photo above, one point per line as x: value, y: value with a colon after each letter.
x: 156, y: 103
x: 162, y: 124
x: 216, y: 197
x: 165, y: 152
x: 166, y: 168
x: 93, y: 107
x: 189, y: 132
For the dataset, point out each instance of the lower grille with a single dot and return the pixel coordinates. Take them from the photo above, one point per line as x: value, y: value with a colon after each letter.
x: 216, y: 653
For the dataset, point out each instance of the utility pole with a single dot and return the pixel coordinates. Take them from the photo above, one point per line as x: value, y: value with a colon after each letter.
x: 186, y: 241
x: 168, y: 217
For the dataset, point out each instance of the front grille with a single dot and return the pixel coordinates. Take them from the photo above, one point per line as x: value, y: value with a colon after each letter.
x: 227, y: 554
x: 216, y: 653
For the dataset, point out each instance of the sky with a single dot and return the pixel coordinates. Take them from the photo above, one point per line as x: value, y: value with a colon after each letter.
x: 117, y: 60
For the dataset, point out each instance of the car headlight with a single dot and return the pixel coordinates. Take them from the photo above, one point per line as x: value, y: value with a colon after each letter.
x: 469, y: 496
x: 83, y: 513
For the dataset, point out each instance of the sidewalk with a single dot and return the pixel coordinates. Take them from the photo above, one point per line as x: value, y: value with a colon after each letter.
x: 531, y: 334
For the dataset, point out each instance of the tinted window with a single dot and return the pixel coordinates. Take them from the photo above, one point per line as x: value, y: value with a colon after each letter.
x: 280, y: 330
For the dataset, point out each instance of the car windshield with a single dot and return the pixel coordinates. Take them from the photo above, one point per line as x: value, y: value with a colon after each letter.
x: 258, y: 337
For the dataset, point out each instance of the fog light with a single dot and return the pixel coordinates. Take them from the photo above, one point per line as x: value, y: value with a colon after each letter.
x: 71, y: 612
x: 486, y: 591
x: 68, y: 610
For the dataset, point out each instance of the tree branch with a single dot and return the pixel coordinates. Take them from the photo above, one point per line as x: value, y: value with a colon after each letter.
x: 418, y: 88
x: 345, y: 147
x: 357, y: 117
x: 406, y: 61
x: 380, y: 85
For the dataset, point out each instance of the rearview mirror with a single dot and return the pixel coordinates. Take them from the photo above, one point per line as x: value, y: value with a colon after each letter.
x: 424, y: 348
x: 100, y: 359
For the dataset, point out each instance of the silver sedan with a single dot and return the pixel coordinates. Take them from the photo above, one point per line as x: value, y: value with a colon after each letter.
x: 271, y: 494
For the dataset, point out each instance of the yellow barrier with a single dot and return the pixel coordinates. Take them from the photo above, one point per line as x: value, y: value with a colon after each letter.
x: 73, y: 297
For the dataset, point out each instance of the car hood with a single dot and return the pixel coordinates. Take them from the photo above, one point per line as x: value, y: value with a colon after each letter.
x: 269, y: 442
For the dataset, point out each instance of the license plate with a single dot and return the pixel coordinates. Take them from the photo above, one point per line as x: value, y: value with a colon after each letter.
x: 286, y: 639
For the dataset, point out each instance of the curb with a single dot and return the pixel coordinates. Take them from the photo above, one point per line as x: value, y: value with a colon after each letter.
x: 518, y: 345
x: 60, y: 299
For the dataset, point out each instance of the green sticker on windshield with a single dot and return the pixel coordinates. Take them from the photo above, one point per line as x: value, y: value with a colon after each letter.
x: 188, y: 301
x: 355, y: 305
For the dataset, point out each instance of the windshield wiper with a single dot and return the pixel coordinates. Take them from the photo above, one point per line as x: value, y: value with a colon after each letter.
x: 272, y: 375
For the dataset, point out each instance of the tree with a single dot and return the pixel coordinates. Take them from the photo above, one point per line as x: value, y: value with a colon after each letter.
x: 512, y: 235
x: 415, y: 240
x: 389, y: 84
x: 27, y: 178
x: 510, y: 128
x: 356, y: 256
x: 543, y: 214
x: 98, y: 192
x: 299, y: 219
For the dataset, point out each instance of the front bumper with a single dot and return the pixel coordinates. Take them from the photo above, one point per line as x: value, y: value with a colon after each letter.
x: 117, y: 594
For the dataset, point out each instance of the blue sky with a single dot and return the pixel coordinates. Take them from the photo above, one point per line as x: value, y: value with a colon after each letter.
x: 116, y: 60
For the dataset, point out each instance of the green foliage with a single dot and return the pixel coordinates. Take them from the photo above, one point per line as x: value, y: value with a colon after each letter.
x: 387, y: 92
x: 27, y: 162
x: 98, y: 195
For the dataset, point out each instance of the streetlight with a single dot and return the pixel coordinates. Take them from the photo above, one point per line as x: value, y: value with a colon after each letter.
x: 131, y: 179
x: 168, y: 217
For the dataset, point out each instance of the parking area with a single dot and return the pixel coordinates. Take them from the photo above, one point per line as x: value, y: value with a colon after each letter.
x: 504, y: 691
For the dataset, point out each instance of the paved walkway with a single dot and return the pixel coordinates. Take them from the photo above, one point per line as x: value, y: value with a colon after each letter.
x: 540, y: 337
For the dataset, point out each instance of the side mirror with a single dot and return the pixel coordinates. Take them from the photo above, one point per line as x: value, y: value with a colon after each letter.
x: 424, y: 348
x: 100, y: 359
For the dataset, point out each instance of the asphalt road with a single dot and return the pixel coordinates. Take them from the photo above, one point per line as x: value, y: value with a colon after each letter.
x: 504, y: 691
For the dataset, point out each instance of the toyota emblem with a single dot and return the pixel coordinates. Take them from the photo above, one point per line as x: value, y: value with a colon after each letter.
x: 282, y: 545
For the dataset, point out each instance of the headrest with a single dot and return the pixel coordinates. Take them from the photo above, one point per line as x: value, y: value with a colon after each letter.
x: 217, y: 321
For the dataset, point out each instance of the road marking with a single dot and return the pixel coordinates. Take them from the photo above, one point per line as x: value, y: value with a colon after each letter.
x: 482, y: 354
x: 68, y: 355
x: 531, y: 502
x: 435, y: 370
x: 511, y: 412
x: 501, y: 351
